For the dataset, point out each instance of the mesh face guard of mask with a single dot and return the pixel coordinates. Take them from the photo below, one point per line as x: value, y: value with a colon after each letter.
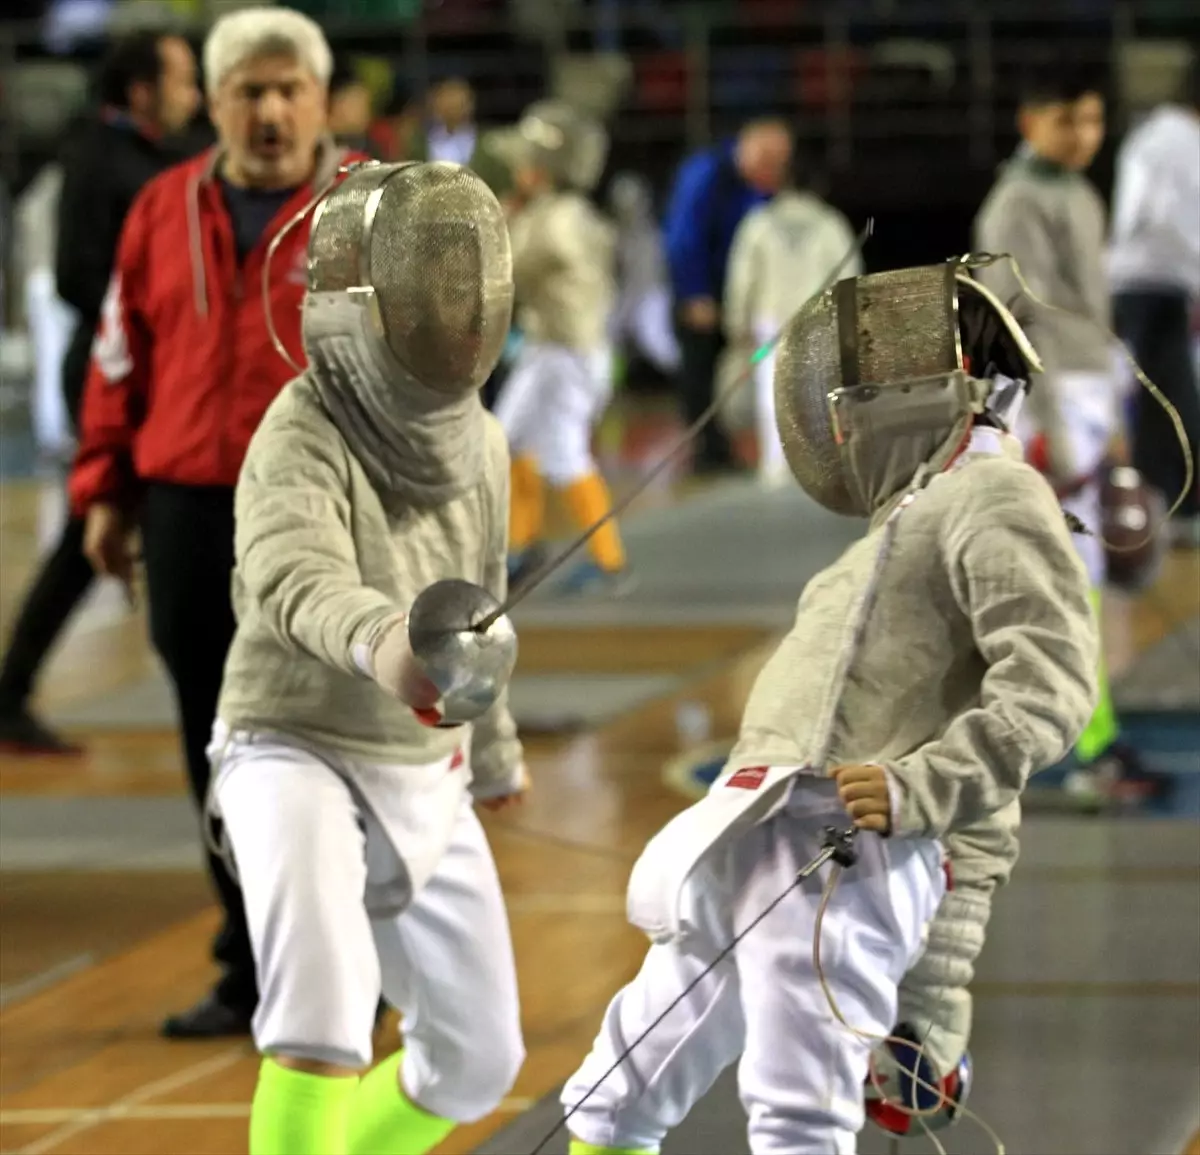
x: 569, y: 144
x: 415, y: 260
x: 877, y: 358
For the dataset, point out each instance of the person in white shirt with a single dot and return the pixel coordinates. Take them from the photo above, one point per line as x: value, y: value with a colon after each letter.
x: 783, y: 252
x: 1154, y: 266
x: 451, y: 134
x: 642, y: 317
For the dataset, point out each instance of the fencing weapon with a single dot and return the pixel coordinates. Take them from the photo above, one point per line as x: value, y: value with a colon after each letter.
x: 545, y: 571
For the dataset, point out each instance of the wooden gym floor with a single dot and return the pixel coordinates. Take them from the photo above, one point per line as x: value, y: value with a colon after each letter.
x: 90, y: 962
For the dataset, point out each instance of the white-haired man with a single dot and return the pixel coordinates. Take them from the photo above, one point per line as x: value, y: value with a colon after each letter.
x: 182, y: 371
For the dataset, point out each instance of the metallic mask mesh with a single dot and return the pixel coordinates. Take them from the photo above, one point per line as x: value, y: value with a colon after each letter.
x: 877, y: 330
x: 432, y: 243
x: 907, y: 325
x: 335, y: 242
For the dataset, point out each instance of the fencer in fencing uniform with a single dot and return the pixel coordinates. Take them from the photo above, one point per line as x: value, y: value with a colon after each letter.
x: 783, y: 252
x: 642, y: 314
x: 943, y: 658
x: 371, y: 535
x: 561, y: 379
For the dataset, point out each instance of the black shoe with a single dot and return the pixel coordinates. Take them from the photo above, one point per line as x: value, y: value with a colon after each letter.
x: 208, y: 1019
x: 22, y: 733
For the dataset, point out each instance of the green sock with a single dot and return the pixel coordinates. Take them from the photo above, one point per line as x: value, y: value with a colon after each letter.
x: 1102, y: 730
x: 579, y: 1147
x: 386, y: 1122
x: 295, y: 1113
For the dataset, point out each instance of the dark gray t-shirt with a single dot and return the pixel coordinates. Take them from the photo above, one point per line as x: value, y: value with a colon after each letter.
x: 251, y: 210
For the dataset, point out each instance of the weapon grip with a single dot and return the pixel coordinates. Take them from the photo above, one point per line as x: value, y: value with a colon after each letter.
x: 841, y: 842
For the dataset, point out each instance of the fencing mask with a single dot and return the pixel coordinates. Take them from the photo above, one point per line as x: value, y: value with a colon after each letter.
x: 409, y: 303
x: 871, y: 381
x: 571, y: 145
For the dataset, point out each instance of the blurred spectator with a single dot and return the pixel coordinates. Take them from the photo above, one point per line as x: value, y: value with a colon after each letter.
x: 394, y: 135
x: 782, y: 254
x: 1154, y: 266
x: 642, y: 316
x: 68, y: 23
x: 182, y: 371
x: 147, y: 90
x: 349, y: 108
x: 714, y: 189
x: 449, y: 132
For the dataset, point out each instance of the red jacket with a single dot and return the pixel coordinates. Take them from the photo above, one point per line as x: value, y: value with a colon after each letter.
x: 183, y: 367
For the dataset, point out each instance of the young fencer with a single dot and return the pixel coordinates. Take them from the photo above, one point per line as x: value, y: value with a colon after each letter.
x: 1050, y: 217
x: 561, y: 379
x: 782, y: 253
x: 935, y: 1003
x: 361, y: 715
x: 943, y: 658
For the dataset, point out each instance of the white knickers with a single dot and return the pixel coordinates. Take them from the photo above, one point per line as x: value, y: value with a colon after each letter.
x: 801, y: 1073
x: 332, y: 924
x: 548, y: 405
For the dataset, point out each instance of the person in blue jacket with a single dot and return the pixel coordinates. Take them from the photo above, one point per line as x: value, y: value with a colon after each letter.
x: 714, y: 189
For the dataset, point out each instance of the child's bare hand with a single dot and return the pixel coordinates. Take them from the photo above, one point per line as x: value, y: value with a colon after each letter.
x: 864, y: 793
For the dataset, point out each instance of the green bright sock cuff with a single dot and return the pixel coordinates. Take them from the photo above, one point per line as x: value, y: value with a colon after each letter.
x: 386, y: 1122
x: 579, y: 1147
x: 1103, y: 728
x: 297, y: 1113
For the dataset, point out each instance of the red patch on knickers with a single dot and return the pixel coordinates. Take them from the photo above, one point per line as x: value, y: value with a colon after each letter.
x: 457, y: 760
x: 751, y: 778
x: 948, y: 868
